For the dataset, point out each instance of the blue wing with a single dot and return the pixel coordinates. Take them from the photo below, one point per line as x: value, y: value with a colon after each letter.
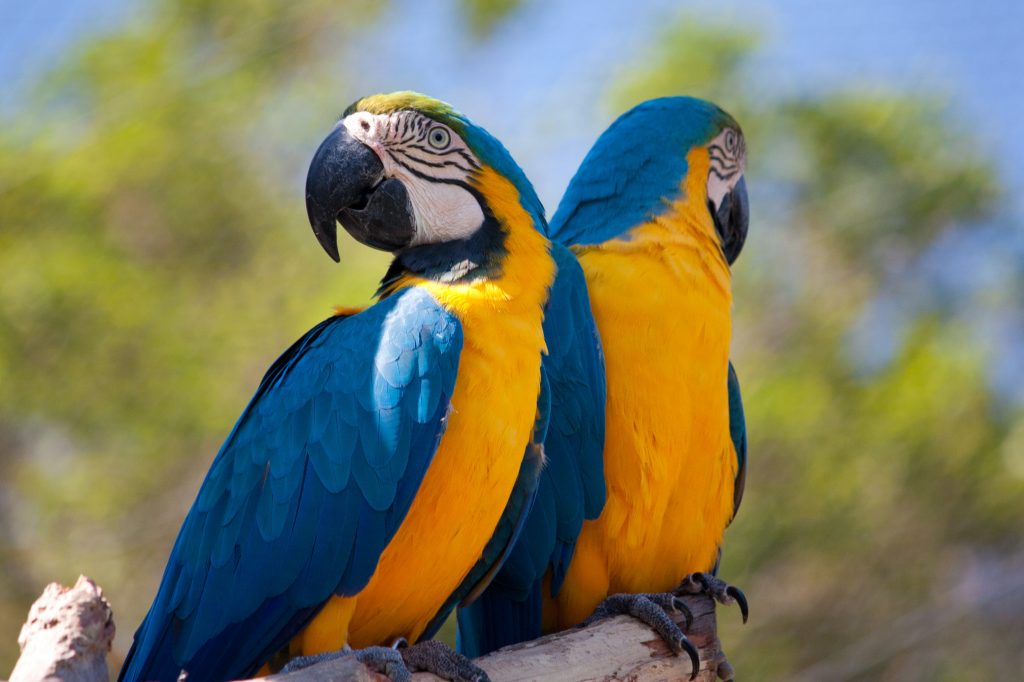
x: 572, y: 484
x: 738, y: 432
x: 306, y: 492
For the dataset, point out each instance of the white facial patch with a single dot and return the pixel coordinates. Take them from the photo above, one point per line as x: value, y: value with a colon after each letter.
x: 432, y: 162
x: 728, y: 156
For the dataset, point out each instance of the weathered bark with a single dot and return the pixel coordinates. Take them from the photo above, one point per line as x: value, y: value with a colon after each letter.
x: 69, y: 631
x: 67, y: 636
x: 619, y: 648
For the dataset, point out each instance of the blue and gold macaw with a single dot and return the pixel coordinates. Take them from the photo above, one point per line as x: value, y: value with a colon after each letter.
x: 389, y: 457
x: 656, y: 214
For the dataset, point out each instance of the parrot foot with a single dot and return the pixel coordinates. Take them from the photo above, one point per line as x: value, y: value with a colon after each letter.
x: 382, y: 659
x: 440, y: 659
x: 652, y: 609
x: 716, y: 588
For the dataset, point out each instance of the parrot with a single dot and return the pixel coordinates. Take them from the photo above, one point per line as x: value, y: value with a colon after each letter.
x: 390, y: 457
x: 656, y: 214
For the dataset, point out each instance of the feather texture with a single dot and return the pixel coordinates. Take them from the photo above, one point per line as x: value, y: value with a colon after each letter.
x: 306, y: 491
x: 636, y: 215
x: 572, y: 486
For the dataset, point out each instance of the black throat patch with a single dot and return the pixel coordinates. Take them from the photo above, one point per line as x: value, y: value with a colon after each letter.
x: 478, y: 256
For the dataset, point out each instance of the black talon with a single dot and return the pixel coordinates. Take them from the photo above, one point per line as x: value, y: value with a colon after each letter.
x: 717, y: 589
x: 681, y: 606
x: 741, y: 599
x: 694, y: 657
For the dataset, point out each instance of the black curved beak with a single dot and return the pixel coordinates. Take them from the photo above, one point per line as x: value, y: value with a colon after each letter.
x: 346, y: 183
x: 732, y: 219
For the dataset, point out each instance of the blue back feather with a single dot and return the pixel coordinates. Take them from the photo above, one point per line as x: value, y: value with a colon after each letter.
x: 634, y: 169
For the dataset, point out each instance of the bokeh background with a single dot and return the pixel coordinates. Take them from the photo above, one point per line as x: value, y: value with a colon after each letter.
x: 155, y: 258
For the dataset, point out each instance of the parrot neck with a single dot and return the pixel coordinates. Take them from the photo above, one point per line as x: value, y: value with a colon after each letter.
x: 683, y: 230
x: 509, y: 256
x: 478, y: 256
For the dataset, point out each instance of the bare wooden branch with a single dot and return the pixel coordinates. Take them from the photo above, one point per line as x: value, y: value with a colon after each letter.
x: 69, y: 631
x: 619, y: 648
x: 67, y: 635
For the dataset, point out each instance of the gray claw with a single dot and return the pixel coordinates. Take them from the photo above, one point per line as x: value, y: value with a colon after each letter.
x: 385, y: 660
x: 717, y: 589
x: 652, y: 610
x: 382, y: 659
x: 440, y: 659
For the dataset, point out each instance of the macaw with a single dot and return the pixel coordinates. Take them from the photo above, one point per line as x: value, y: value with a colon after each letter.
x: 656, y: 214
x: 389, y: 457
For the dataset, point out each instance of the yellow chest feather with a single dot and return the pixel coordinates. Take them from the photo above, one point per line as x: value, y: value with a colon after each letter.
x: 662, y: 303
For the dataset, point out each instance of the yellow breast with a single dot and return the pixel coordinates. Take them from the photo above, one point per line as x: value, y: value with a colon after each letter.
x: 472, y: 474
x: 662, y: 303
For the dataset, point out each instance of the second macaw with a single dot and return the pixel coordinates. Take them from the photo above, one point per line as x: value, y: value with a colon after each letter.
x: 389, y: 457
x: 656, y: 214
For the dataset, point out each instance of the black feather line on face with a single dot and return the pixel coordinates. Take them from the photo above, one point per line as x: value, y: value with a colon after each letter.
x: 424, y: 162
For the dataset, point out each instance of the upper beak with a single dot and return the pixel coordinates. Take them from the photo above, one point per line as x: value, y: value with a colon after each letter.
x: 732, y: 219
x: 342, y: 175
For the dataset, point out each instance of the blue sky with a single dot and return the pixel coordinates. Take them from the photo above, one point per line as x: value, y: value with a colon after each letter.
x: 560, y: 51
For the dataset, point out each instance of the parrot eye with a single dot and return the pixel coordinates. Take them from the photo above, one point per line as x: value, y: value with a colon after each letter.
x: 439, y: 138
x: 730, y: 140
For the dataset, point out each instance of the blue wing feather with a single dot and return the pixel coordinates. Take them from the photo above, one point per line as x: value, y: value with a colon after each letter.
x: 306, y: 492
x: 571, y: 486
x: 738, y: 433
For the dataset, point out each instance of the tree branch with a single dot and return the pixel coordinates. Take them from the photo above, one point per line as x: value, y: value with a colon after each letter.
x: 68, y: 634
x: 620, y: 648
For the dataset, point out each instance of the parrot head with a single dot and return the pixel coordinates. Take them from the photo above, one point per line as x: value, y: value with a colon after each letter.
x: 641, y: 164
x: 404, y: 170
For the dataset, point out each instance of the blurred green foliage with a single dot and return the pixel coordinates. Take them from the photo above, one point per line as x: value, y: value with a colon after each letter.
x: 145, y: 209
x: 149, y: 188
